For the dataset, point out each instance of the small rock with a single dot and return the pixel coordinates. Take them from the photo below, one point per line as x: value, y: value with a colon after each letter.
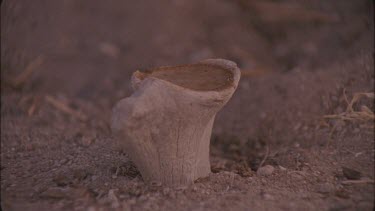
x: 351, y: 173
x: 265, y: 170
x: 282, y: 168
x: 267, y: 196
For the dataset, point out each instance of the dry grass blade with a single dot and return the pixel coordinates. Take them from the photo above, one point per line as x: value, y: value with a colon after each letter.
x: 364, y: 181
x: 365, y: 114
x: 65, y: 108
x: 358, y: 96
x: 265, y: 156
x: 31, y: 110
x: 26, y: 74
x: 35, y: 103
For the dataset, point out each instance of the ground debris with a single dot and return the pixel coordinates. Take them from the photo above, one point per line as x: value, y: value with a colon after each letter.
x: 265, y: 170
x: 21, y: 79
x: 351, y: 173
x: 65, y: 108
x: 365, y: 114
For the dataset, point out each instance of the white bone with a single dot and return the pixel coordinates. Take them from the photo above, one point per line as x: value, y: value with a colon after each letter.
x: 165, y: 125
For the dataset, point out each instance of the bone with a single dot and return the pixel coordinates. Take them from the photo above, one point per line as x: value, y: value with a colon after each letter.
x: 166, y: 124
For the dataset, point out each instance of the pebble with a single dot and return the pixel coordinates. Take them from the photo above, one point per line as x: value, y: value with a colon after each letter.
x: 282, y: 168
x: 267, y: 196
x: 265, y: 170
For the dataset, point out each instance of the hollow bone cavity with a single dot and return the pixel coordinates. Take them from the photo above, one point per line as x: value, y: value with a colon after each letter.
x: 165, y: 125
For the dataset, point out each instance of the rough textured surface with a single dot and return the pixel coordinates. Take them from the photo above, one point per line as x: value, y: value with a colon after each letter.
x: 166, y: 128
x: 52, y: 160
x: 201, y: 77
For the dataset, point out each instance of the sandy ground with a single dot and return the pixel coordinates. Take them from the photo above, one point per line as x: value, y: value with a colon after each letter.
x: 64, y: 64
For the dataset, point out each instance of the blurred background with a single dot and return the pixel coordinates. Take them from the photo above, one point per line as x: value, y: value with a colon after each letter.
x: 91, y: 44
x: 64, y: 64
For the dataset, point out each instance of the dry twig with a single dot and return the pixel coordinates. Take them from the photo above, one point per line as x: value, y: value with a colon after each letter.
x: 365, y: 114
x: 363, y: 181
x: 265, y: 156
x: 65, y: 108
x: 21, y: 79
x: 31, y: 110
